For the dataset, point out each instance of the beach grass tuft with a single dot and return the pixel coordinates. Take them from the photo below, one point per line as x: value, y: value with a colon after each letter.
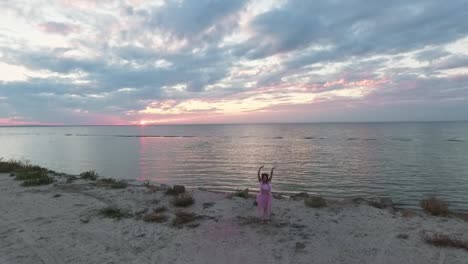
x: 175, y: 190
x: 32, y: 175
x: 183, y: 200
x: 182, y: 218
x: 435, y: 206
x: 160, y: 209
x: 155, y: 217
x: 113, y: 212
x: 112, y: 183
x: 11, y: 165
x: 242, y: 193
x: 315, y: 202
x: 442, y: 240
x: 89, y: 175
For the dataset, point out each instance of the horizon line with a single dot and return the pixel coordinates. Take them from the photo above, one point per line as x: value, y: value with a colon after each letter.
x: 252, y: 123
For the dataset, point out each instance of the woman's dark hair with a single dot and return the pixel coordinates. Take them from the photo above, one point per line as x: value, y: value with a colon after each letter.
x: 265, y: 175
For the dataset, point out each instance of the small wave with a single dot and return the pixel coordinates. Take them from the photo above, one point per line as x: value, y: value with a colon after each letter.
x: 370, y: 139
x: 130, y: 136
x: 149, y: 136
x: 68, y: 135
x: 278, y: 137
x: 309, y: 138
x: 402, y: 139
x: 456, y: 140
x: 352, y: 138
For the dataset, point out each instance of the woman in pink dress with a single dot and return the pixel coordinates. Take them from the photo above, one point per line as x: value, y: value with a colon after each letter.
x: 264, y: 197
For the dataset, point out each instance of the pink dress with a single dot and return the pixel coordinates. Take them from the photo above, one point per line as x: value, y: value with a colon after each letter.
x: 264, y: 200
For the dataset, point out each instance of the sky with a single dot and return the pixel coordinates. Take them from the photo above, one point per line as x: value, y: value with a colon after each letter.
x: 135, y: 62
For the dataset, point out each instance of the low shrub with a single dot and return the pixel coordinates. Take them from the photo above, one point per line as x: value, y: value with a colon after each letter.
x: 242, y: 193
x: 183, y: 200
x: 435, y: 206
x: 175, y: 190
x: 11, y: 165
x: 113, y: 212
x: 33, y: 176
x: 112, y: 183
x: 441, y: 240
x: 89, y: 175
x: 182, y: 218
x: 315, y: 202
x: 160, y: 209
x: 43, y: 180
x: 155, y: 217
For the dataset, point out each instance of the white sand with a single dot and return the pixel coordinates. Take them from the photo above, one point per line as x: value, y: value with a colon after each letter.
x: 35, y: 228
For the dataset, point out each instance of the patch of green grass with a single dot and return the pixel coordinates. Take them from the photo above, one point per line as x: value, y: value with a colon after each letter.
x: 182, y: 218
x: 183, y: 200
x: 33, y: 176
x: 43, y: 180
x: 89, y: 175
x: 113, y: 212
x: 315, y: 202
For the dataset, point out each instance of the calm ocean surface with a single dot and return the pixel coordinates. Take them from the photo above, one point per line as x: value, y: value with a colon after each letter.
x: 402, y: 161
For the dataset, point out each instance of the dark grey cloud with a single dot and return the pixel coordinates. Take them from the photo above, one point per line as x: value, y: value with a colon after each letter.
x: 188, y: 19
x: 355, y: 28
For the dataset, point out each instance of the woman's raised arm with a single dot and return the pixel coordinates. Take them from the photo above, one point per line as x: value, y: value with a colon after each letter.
x: 258, y: 174
x: 271, y: 174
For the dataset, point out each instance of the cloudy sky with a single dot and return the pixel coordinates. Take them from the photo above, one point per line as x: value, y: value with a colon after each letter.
x: 232, y: 61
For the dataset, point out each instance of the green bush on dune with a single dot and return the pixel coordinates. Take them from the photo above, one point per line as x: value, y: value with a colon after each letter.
x: 112, y: 183
x: 30, y: 175
x: 11, y: 165
x: 89, y: 175
x: 315, y: 202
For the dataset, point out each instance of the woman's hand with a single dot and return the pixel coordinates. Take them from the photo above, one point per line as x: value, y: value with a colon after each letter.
x: 271, y: 173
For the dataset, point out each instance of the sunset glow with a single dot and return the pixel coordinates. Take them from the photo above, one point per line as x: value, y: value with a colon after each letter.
x: 135, y: 62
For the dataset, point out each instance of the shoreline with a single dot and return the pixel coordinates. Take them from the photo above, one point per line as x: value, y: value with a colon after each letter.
x: 64, y: 222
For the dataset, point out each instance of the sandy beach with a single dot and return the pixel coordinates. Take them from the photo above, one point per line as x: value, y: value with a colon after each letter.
x: 62, y: 223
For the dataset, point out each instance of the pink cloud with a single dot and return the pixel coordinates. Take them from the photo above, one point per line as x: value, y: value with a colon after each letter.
x: 19, y: 121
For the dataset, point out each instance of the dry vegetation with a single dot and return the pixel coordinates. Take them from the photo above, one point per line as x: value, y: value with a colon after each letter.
x: 89, y: 175
x: 182, y: 218
x: 155, y: 217
x: 435, y: 206
x: 11, y: 165
x: 315, y: 202
x: 242, y: 193
x: 113, y: 212
x: 441, y: 240
x: 112, y: 183
x: 183, y: 200
x: 175, y: 190
x: 160, y: 209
